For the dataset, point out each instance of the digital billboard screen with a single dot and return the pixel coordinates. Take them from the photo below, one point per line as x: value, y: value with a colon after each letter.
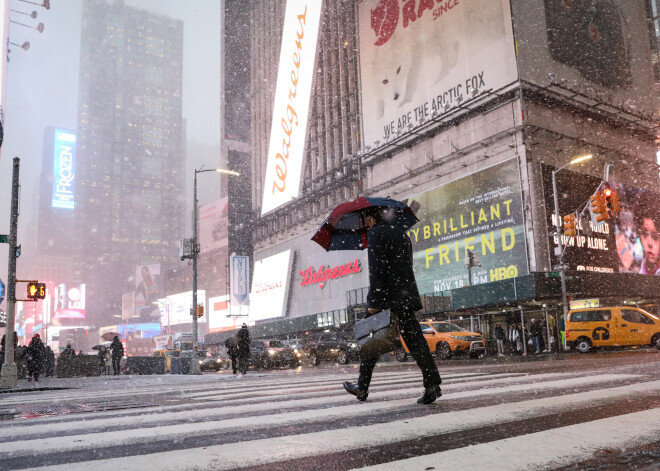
x: 270, y: 286
x: 68, y: 305
x: 481, y: 213
x: 64, y: 169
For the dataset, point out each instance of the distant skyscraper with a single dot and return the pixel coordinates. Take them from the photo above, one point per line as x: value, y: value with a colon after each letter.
x: 129, y: 199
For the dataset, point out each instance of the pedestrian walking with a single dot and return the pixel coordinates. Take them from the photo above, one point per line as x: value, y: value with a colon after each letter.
x: 243, y: 337
x: 513, y: 336
x: 36, y: 353
x: 499, y: 337
x: 68, y: 351
x: 392, y: 286
x: 117, y: 354
x: 231, y: 344
x: 536, y: 331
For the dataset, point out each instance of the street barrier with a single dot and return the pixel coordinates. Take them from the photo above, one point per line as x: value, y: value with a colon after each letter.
x: 146, y: 366
x: 180, y: 366
x: 80, y: 365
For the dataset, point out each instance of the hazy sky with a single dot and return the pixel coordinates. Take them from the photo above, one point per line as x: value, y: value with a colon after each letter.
x: 42, y: 90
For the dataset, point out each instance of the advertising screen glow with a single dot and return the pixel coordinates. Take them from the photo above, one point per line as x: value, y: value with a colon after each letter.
x: 64, y: 169
x: 270, y: 286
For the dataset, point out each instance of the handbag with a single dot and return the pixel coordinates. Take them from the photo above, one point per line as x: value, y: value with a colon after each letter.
x: 377, y: 335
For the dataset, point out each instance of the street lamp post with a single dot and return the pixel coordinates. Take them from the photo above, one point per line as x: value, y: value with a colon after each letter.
x: 559, y: 250
x: 194, y: 367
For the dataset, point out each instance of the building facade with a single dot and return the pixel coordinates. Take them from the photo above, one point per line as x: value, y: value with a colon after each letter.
x: 471, y: 133
x: 129, y: 191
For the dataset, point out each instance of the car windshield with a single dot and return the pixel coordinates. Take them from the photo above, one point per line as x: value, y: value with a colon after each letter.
x: 173, y: 354
x: 443, y: 327
x: 275, y: 344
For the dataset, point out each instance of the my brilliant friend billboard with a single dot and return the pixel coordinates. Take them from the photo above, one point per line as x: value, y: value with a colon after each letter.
x: 481, y: 213
x: 418, y: 55
x: 629, y: 243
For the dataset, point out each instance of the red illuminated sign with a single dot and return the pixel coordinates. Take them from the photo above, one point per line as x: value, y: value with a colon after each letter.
x: 323, y: 274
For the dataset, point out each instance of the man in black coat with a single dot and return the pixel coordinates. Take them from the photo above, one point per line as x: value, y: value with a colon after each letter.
x: 117, y: 353
x: 392, y: 286
x: 37, y: 354
x: 243, y: 337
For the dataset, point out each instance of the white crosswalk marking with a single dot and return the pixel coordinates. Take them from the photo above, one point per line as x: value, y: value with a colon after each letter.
x: 293, y: 418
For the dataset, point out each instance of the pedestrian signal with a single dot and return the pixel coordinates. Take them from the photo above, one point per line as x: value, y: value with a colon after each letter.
x: 569, y: 226
x: 36, y: 290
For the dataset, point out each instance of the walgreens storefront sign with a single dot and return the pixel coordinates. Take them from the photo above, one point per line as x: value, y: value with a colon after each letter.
x: 323, y: 273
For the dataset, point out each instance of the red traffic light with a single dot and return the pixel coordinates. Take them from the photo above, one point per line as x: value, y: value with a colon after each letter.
x: 607, y: 192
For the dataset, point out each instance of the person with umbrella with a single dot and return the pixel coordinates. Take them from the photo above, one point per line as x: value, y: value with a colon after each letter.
x: 379, y: 224
x: 117, y: 353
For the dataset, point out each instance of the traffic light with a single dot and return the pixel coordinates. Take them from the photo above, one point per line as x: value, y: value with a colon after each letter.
x: 612, y: 201
x: 36, y: 290
x: 200, y: 310
x: 569, y: 225
x: 598, y: 208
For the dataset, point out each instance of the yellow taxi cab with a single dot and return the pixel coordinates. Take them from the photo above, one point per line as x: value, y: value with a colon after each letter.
x: 167, y: 354
x: 616, y: 326
x: 447, y: 339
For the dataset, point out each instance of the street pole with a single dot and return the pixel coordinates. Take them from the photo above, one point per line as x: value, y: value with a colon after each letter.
x: 559, y: 252
x: 9, y: 376
x: 194, y: 366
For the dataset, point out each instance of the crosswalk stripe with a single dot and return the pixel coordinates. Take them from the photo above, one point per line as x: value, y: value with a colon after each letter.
x: 551, y: 448
x: 227, y: 410
x: 263, y: 451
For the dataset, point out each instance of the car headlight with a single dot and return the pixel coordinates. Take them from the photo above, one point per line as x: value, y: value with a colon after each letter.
x: 201, y: 362
x: 272, y: 352
x: 218, y: 360
x: 352, y: 345
x: 457, y: 337
x: 298, y: 354
x: 295, y: 350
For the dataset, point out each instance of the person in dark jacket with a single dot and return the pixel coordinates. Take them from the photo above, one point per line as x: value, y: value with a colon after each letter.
x: 536, y: 330
x: 117, y: 353
x: 36, y: 354
x: 392, y: 286
x: 243, y: 337
x: 68, y: 351
x: 49, y: 362
x: 499, y: 336
x: 231, y: 344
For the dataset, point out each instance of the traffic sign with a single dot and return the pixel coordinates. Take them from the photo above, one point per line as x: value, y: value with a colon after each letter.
x: 239, y: 277
x: 3, y: 289
x: 3, y: 238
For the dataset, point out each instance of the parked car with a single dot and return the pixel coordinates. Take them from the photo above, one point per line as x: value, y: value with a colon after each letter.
x: 616, y: 326
x: 331, y: 346
x: 213, y: 361
x: 446, y: 339
x: 273, y: 353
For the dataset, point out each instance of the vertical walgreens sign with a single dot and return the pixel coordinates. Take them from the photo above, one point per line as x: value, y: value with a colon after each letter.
x: 292, y: 95
x: 64, y: 169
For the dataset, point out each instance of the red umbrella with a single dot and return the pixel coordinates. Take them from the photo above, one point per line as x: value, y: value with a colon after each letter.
x: 346, y: 228
x: 110, y: 335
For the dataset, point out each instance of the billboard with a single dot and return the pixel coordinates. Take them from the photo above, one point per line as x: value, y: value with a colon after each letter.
x: 68, y: 305
x: 627, y: 244
x: 417, y: 56
x: 600, y: 46
x: 291, y: 108
x: 482, y: 213
x: 147, y: 291
x: 240, y: 284
x: 64, y: 169
x: 175, y: 309
x: 270, y: 286
x: 213, y: 226
x: 219, y: 319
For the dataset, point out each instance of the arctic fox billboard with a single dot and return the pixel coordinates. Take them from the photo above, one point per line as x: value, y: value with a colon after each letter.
x: 417, y: 55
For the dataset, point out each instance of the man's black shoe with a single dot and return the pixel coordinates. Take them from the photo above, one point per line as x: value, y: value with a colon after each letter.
x: 354, y: 389
x: 430, y: 395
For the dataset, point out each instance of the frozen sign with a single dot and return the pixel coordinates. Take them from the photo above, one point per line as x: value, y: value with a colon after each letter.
x: 291, y: 108
x: 421, y: 57
x: 270, y: 286
x: 64, y: 169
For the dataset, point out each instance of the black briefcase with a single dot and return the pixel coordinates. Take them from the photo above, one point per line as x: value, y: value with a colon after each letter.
x: 377, y: 335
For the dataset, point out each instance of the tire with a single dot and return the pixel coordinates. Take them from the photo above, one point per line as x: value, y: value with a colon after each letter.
x: 401, y: 355
x: 443, y: 351
x: 314, y: 359
x: 265, y: 364
x: 583, y: 345
x: 655, y: 341
x: 342, y: 357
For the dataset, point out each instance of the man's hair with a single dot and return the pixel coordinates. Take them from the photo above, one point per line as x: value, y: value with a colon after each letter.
x: 647, y: 206
x: 374, y: 212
